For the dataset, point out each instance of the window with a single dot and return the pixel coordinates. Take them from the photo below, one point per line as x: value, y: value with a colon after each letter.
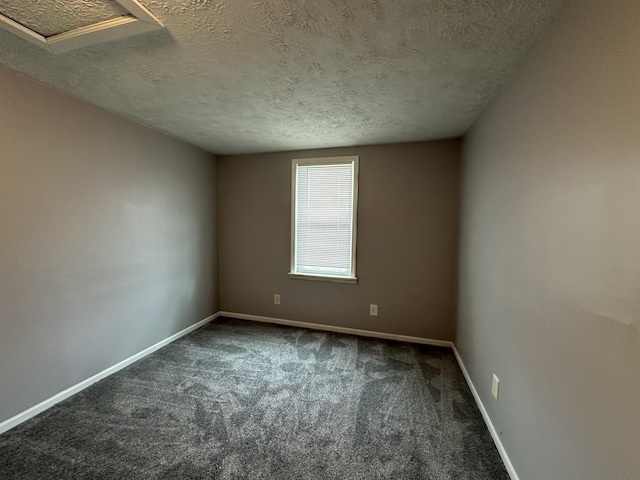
x: 324, y: 200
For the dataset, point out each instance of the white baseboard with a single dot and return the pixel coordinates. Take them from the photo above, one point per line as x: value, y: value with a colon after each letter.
x: 57, y: 398
x: 492, y: 430
x: 41, y: 407
x: 333, y: 328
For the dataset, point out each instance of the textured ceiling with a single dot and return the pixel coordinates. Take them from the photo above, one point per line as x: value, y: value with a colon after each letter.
x: 238, y: 76
x: 50, y: 17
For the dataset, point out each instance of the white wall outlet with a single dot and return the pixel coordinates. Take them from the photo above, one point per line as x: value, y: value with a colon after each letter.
x: 276, y: 299
x: 373, y: 310
x: 495, y: 386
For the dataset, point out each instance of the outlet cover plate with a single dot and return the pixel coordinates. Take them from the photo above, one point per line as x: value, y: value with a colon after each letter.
x: 495, y: 386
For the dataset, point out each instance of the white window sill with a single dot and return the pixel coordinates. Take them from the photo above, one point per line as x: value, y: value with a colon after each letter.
x: 323, y: 278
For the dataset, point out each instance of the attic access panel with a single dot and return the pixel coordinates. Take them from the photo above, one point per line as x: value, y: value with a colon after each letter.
x: 59, y: 26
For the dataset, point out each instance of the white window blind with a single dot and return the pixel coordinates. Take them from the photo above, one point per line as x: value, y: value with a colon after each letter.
x: 324, y: 208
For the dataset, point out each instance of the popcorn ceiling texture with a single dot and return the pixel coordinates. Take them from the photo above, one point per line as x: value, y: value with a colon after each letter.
x: 49, y: 17
x: 240, y: 76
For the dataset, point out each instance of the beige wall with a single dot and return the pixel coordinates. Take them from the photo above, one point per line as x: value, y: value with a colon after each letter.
x: 550, y: 252
x: 107, y: 240
x: 406, y: 250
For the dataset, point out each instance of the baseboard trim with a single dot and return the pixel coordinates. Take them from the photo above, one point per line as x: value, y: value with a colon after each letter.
x: 336, y: 329
x: 46, y: 404
x: 487, y: 419
x: 57, y: 398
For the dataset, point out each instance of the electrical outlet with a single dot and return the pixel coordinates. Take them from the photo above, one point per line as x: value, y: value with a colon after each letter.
x: 495, y: 386
x: 373, y: 310
x: 276, y: 299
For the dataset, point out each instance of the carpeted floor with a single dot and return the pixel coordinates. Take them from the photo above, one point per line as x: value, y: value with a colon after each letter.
x: 243, y: 400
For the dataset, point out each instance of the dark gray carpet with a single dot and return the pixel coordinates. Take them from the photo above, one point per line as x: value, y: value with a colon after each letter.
x: 238, y: 400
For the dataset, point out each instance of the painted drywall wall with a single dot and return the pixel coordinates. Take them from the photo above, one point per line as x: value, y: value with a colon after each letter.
x: 406, y: 240
x: 550, y: 250
x: 107, y: 240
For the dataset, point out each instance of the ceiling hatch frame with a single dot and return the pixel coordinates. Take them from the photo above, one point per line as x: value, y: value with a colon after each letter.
x: 139, y: 20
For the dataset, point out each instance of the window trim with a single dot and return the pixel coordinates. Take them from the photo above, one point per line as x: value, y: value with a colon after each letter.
x: 352, y: 278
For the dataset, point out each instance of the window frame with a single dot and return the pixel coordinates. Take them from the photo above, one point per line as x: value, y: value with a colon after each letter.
x: 351, y: 159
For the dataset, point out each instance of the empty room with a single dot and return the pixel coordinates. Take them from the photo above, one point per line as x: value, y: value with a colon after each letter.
x: 293, y: 239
